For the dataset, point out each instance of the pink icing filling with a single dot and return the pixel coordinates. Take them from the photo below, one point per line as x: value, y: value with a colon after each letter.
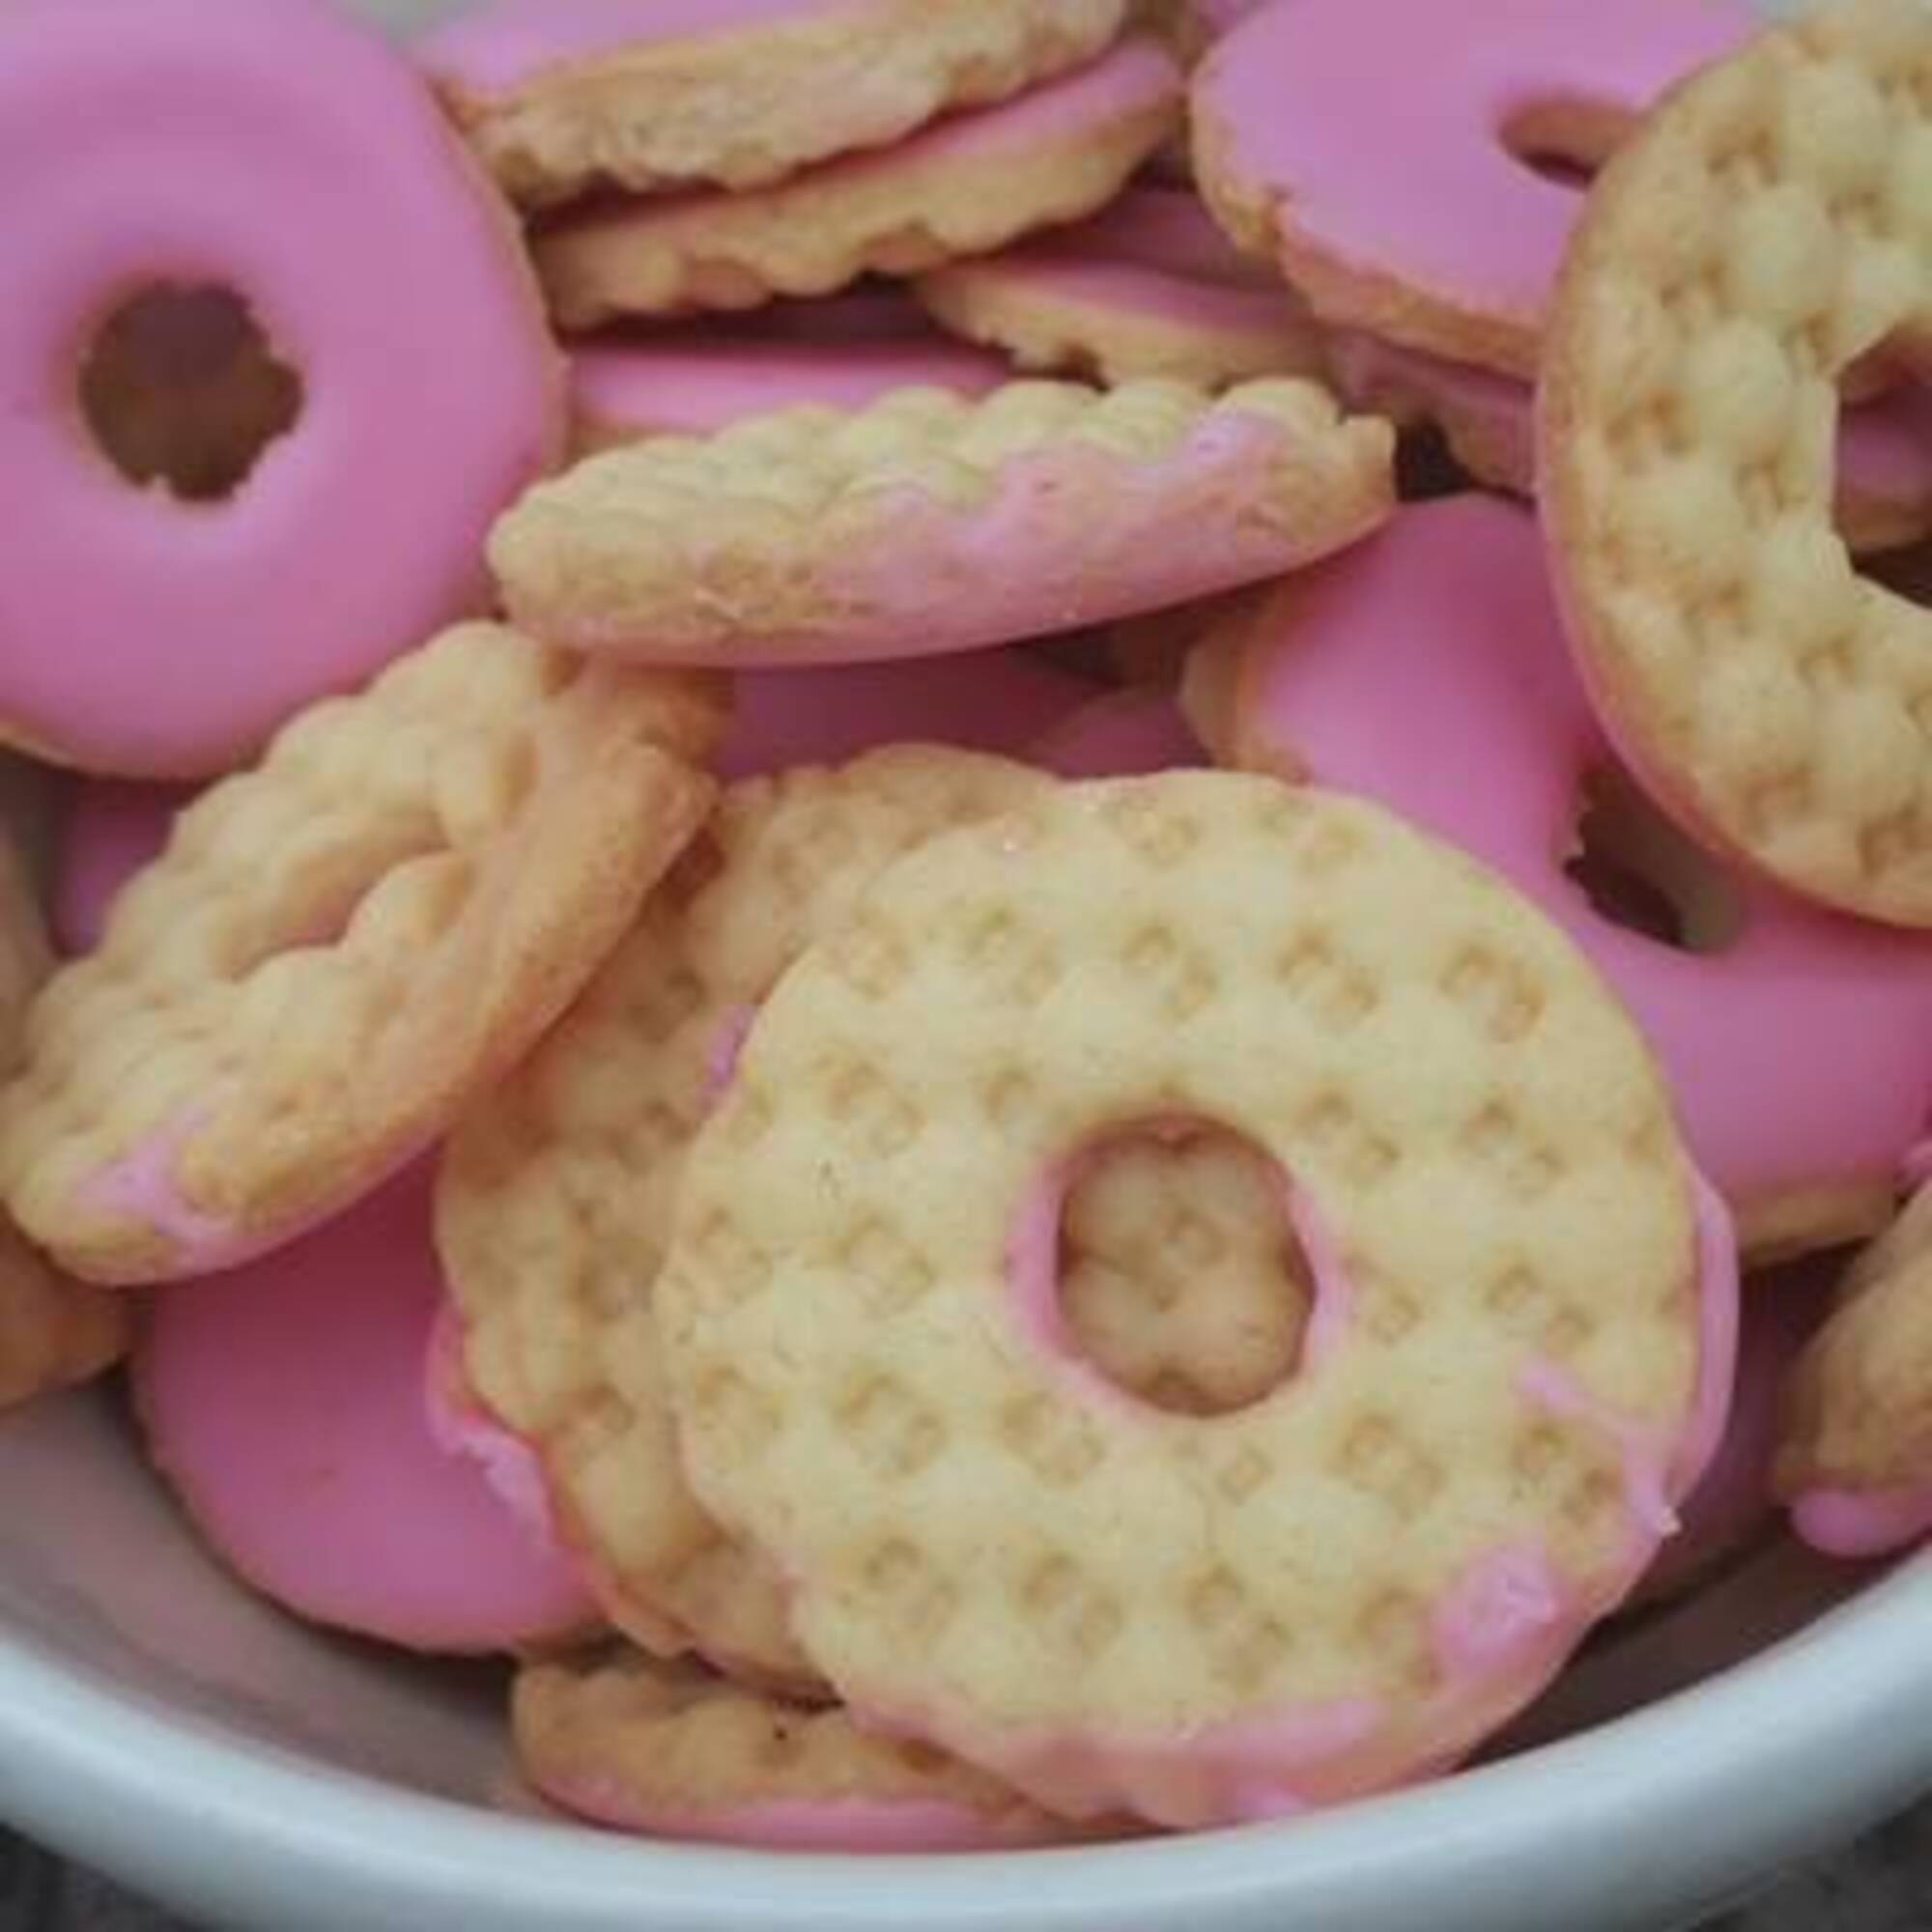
x: 496, y: 47
x: 678, y: 385
x: 1863, y: 1523
x: 1488, y: 747
x: 286, y: 1402
x: 999, y: 701
x: 1167, y: 230
x: 112, y: 832
x: 727, y: 1050
x: 1123, y: 734
x: 1506, y: 1602
x: 1884, y: 445
x: 147, y: 637
x: 1397, y: 167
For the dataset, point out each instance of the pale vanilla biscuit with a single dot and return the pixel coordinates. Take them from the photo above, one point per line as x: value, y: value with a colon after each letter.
x: 53, y: 1332
x: 672, y: 1752
x: 965, y: 187
x: 1771, y: 226
x: 1858, y: 1412
x: 934, y: 521
x: 744, y: 105
x: 558, y: 1189
x: 1210, y: 1618
x: 1180, y: 1277
x: 342, y: 946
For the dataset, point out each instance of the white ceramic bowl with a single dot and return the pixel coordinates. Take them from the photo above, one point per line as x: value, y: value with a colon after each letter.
x: 160, y: 1723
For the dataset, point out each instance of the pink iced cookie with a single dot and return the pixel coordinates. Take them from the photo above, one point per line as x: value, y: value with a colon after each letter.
x: 1374, y: 149
x: 691, y: 386
x: 1428, y: 672
x: 274, y: 148
x: 288, y: 1405
x: 1149, y: 287
x: 930, y: 524
x: 1884, y: 449
x: 991, y: 701
x: 113, y: 830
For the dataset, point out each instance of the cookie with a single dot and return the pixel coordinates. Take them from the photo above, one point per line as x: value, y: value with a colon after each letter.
x: 928, y: 524
x: 53, y: 1332
x: 1770, y: 227
x: 1109, y: 1606
x: 970, y: 185
x: 663, y: 1752
x: 1494, y: 747
x: 663, y: 94
x: 1883, y: 479
x: 1855, y: 1461
x: 289, y: 1405
x: 1391, y: 156
x: 693, y: 385
x: 1147, y: 288
x: 559, y: 1188
x: 341, y: 948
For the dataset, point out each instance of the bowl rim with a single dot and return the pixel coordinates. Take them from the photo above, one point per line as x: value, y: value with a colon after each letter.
x: 1823, y: 1732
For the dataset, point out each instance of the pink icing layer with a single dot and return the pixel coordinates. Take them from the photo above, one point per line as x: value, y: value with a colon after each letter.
x: 1396, y: 167
x: 461, y: 1427
x: 1884, y: 445
x: 795, y: 1825
x: 1065, y: 540
x: 1505, y: 1603
x: 1168, y: 231
x: 286, y: 1404
x: 1137, y: 74
x: 1863, y: 1523
x: 1123, y: 734
x: 1428, y: 670
x: 496, y: 47
x: 1000, y: 702
x: 111, y: 832
x: 275, y: 148
x: 679, y: 385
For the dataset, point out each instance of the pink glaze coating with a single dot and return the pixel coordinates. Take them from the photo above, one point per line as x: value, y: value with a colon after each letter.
x: 1167, y: 230
x: 275, y: 148
x: 493, y: 47
x: 999, y: 701
x: 1861, y: 1525
x: 797, y: 1825
x: 112, y: 830
x: 1120, y: 734
x: 286, y: 1405
x: 688, y: 385
x: 1499, y: 1633
x: 1428, y: 670
x: 1884, y: 445
x: 1378, y: 128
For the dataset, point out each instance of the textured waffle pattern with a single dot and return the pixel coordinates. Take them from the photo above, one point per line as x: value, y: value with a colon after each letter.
x: 53, y: 1332
x: 341, y: 947
x: 556, y: 1197
x: 897, y: 213
x: 681, y: 1749
x: 1178, y: 1274
x: 745, y: 109
x: 1859, y: 1405
x: 757, y: 542
x: 1772, y: 225
x: 983, y: 1551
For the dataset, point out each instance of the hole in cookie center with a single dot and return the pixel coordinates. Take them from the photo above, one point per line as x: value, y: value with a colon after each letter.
x: 1180, y: 1277
x: 181, y: 387
x: 1641, y: 872
x: 1566, y: 142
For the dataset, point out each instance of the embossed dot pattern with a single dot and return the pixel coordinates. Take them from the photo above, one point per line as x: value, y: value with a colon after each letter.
x: 1771, y: 225
x: 988, y: 1548
x: 343, y: 944
x: 555, y: 1199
